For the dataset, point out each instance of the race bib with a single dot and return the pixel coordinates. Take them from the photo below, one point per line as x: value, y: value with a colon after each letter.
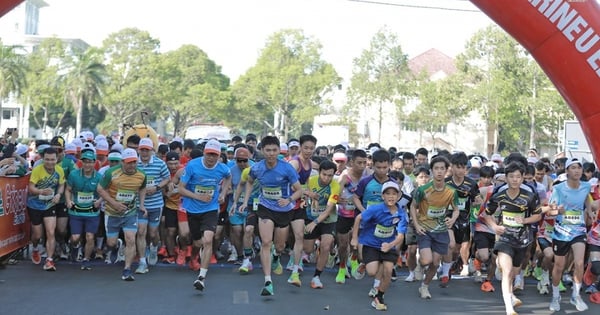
x: 433, y: 212
x: 85, y: 198
x: 125, y: 196
x: 204, y: 190
x: 383, y: 231
x: 548, y: 230
x: 45, y: 197
x: 509, y: 219
x: 151, y: 181
x: 316, y: 210
x: 573, y: 217
x: 255, y: 202
x: 462, y: 204
x: 374, y: 202
x: 273, y: 193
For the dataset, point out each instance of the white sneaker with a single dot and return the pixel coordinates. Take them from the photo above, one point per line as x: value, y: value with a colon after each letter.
x: 152, y: 255
x: 419, y: 273
x: 519, y: 284
x: 315, y: 283
x: 424, y: 292
x: 373, y: 292
x: 478, y: 277
x: 121, y: 251
x: 465, y: 271
x: 579, y: 303
x: 232, y: 257
x: 290, y: 264
x: 542, y: 288
x: 410, y: 277
x: 555, y: 304
x: 331, y: 260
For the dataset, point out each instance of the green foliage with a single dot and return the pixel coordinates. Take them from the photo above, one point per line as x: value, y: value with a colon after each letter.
x: 287, y: 86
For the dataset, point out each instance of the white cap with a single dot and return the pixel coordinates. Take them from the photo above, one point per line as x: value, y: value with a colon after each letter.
x: 100, y: 138
x: 339, y: 156
x: 78, y: 144
x: 178, y: 139
x: 572, y: 161
x: 532, y: 160
x: 129, y: 155
x: 88, y: 146
x: 21, y: 149
x: 373, y: 150
x: 117, y: 147
x: 102, y: 147
x: 475, y: 162
x: 146, y: 143
x: 283, y: 147
x: 70, y: 148
x: 293, y: 144
x: 497, y: 157
x: 389, y: 184
x: 115, y: 156
x: 212, y: 146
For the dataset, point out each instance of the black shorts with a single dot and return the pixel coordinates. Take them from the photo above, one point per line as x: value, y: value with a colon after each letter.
x: 223, y: 218
x: 462, y: 234
x: 280, y: 219
x: 544, y: 243
x: 252, y: 219
x: 593, y: 248
x: 410, y: 238
x: 298, y: 214
x: 370, y: 254
x: 200, y: 222
x: 170, y: 218
x: 36, y: 217
x: 484, y: 240
x: 517, y: 254
x: 344, y: 225
x: 561, y: 248
x: 320, y: 229
x: 62, y: 211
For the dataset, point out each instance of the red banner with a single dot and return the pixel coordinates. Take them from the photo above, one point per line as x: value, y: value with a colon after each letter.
x: 14, y: 222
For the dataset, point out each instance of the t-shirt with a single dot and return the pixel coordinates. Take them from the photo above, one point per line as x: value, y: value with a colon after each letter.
x: 42, y: 180
x: 275, y: 183
x: 327, y: 194
x: 347, y: 208
x: 380, y: 226
x: 199, y: 179
x: 571, y: 224
x: 174, y: 200
x: 254, y: 195
x: 466, y: 193
x: 156, y: 171
x: 123, y: 188
x: 369, y: 191
x: 84, y: 192
x: 524, y: 205
x: 432, y: 205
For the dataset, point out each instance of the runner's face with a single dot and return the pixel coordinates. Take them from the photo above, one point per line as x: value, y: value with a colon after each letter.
x: 145, y: 154
x: 439, y: 171
x: 293, y: 151
x: 574, y: 171
x: 390, y: 196
x: 514, y: 179
x: 211, y: 159
x: 50, y: 161
x: 421, y: 159
x: 88, y: 165
x: 307, y: 149
x: 325, y: 177
x: 459, y: 170
x: 409, y: 166
x: 381, y: 168
x: 129, y: 167
x: 539, y: 175
x: 422, y: 179
x: 271, y: 151
x: 173, y: 165
x: 359, y: 163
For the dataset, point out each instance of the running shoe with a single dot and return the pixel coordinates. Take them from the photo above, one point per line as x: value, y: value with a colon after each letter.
x: 444, y: 280
x: 477, y: 264
x: 246, y: 267
x: 64, y: 251
x: 542, y: 288
x: 267, y: 290
x: 373, y: 292
x: 410, y: 277
x: 378, y: 305
x: 561, y: 287
x: 86, y: 265
x: 99, y: 254
x: 162, y: 252
x: 180, y: 260
x: 276, y: 267
x: 464, y: 272
x: 477, y: 276
x: 49, y: 265
x: 419, y: 273
x: 591, y: 289
x: 152, y: 254
x: 315, y: 283
x: 341, y: 276
x: 354, y: 267
x: 394, y: 274
x: 170, y: 260
x: 567, y: 279
x: 424, y: 292
x: 555, y: 304
x: 232, y: 257
x: 294, y: 279
x: 487, y: 286
x: 516, y: 302
x: 36, y: 258
x: 579, y: 304
x: 290, y: 264
x: 142, y: 268
x: 199, y: 283
x: 519, y: 283
x: 360, y: 272
x: 588, y: 276
x: 331, y: 260
x: 537, y: 273
x: 127, y: 275
x: 79, y: 254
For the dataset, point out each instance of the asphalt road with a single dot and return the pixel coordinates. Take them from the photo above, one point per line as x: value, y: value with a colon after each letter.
x: 167, y: 289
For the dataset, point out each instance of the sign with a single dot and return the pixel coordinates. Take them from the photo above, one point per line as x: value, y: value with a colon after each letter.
x: 575, y: 142
x: 14, y: 222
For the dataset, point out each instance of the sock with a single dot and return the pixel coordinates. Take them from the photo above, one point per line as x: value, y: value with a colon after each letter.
x: 143, y: 261
x: 353, y: 257
x: 318, y: 272
x: 576, y: 289
x: 49, y: 259
x: 202, y: 272
x: 376, y: 283
x: 411, y: 273
x: 342, y: 264
x: 380, y: 296
x: 267, y: 280
x: 275, y: 259
x: 446, y: 268
x: 247, y: 252
x: 99, y: 242
x: 555, y: 291
x: 424, y: 285
x: 465, y: 267
x: 295, y: 268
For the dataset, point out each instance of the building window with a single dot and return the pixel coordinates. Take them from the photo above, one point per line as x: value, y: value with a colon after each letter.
x: 6, y: 114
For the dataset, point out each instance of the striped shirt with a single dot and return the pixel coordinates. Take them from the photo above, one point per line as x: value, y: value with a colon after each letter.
x: 156, y: 171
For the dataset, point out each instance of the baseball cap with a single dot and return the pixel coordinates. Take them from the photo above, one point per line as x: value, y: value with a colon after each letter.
x: 102, y: 147
x: 475, y: 162
x: 114, y: 156
x: 229, y: 149
x: 78, y: 144
x: 339, y: 156
x: 497, y: 157
x: 70, y: 148
x: 241, y: 153
x: 532, y: 160
x: 88, y: 155
x: 373, y: 150
x: 88, y: 146
x: 117, y: 147
x: 146, y: 143
x: 389, y: 184
x: 129, y: 155
x: 178, y: 139
x: 41, y: 148
x: 293, y: 144
x: 212, y: 146
x: 172, y: 156
x: 21, y: 149
x: 58, y: 141
x: 283, y: 148
x: 572, y: 161
x: 89, y: 136
x: 100, y: 137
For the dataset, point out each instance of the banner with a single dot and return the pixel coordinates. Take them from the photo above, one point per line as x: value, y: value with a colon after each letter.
x: 14, y: 222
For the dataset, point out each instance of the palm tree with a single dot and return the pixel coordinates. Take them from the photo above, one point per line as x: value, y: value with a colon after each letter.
x: 84, y: 81
x: 13, y: 69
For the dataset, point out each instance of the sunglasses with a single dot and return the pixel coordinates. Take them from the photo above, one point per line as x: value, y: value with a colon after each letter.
x: 242, y: 160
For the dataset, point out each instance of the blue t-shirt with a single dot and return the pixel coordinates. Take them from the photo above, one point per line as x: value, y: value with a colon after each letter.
x: 369, y: 191
x: 199, y: 179
x: 275, y: 184
x: 380, y: 226
x: 571, y: 224
x: 236, y: 176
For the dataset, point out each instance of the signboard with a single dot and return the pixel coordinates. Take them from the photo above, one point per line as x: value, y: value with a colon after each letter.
x: 575, y: 143
x: 14, y: 223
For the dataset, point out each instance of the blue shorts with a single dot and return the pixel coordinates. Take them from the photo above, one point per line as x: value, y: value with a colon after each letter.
x: 436, y: 241
x: 153, y: 218
x: 238, y: 218
x: 115, y: 224
x: 80, y: 224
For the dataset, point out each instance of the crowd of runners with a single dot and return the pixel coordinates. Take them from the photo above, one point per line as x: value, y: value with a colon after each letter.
x: 358, y: 211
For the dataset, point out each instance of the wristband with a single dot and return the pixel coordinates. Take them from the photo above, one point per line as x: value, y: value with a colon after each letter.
x: 316, y: 221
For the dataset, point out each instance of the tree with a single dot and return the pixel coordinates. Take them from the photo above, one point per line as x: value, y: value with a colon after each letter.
x: 13, y: 69
x: 289, y: 83
x: 380, y: 77
x: 130, y: 89
x: 84, y: 81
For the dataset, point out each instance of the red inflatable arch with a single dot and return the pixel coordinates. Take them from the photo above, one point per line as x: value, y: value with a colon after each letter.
x: 562, y: 35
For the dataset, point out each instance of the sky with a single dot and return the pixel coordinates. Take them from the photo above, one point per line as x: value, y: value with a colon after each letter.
x: 233, y: 32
